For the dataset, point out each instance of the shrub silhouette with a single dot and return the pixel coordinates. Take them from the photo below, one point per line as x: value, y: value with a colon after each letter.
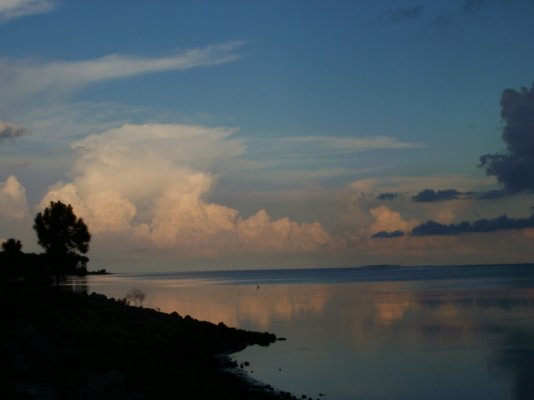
x: 63, y: 236
x: 136, y: 296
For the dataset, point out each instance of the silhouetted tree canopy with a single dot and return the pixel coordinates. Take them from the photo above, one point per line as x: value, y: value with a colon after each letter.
x: 10, y: 259
x: 63, y: 236
x: 12, y: 247
x: 17, y: 266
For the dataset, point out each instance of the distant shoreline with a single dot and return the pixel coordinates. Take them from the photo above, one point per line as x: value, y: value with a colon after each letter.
x: 343, y: 268
x: 256, y: 277
x: 99, y: 272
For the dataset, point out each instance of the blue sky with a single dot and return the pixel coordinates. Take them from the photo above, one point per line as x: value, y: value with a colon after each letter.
x: 261, y: 133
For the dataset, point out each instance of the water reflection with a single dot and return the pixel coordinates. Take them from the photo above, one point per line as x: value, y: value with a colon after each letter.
x: 383, y: 340
x: 242, y: 306
x: 516, y: 358
x: 77, y: 284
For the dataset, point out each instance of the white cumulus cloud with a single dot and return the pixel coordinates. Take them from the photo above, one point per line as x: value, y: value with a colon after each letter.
x: 389, y: 221
x: 15, y: 219
x: 13, y: 202
x: 151, y: 184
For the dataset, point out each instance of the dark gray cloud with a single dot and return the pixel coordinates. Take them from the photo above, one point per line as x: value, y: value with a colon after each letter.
x: 489, y: 195
x: 481, y: 225
x: 430, y: 196
x: 472, y: 6
x: 514, y: 168
x: 406, y: 13
x: 387, y: 235
x: 18, y: 165
x: 466, y: 8
x: 387, y: 196
x: 452, y: 12
x: 10, y: 131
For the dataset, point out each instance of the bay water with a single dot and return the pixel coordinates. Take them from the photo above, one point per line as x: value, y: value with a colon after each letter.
x: 379, y: 332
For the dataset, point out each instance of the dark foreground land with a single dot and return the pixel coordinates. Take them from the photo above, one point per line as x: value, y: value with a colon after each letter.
x: 56, y: 344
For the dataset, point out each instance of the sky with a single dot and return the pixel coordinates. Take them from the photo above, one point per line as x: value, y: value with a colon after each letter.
x: 271, y: 134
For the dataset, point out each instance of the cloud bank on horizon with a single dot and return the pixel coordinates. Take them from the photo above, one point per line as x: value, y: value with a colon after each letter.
x: 514, y: 169
x: 264, y: 151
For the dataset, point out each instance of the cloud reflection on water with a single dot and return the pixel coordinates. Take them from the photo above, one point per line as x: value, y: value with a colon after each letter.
x: 244, y: 306
x: 452, y: 334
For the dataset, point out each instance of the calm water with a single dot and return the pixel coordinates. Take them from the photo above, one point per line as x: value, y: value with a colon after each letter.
x: 402, y: 333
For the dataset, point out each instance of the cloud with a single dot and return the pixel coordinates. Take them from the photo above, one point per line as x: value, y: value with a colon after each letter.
x: 467, y: 8
x: 434, y: 196
x: 430, y: 196
x: 13, y: 202
x: 19, y: 164
x: 388, y: 235
x: 10, y: 131
x: 352, y: 144
x: 25, y: 79
x: 304, y: 160
x: 11, y: 9
x: 362, y: 200
x: 386, y: 220
x: 150, y: 185
x: 406, y: 13
x: 440, y: 14
x: 387, y: 196
x: 514, y: 168
x: 482, y: 225
x: 472, y: 6
x: 489, y: 194
x: 413, y: 184
x: 445, y: 13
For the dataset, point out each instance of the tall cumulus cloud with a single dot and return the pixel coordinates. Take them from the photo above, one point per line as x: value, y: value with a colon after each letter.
x: 514, y: 168
x: 13, y: 201
x: 151, y: 183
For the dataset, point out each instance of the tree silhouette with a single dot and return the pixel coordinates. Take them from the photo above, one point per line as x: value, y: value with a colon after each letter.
x: 12, y: 247
x: 11, y: 259
x: 63, y: 236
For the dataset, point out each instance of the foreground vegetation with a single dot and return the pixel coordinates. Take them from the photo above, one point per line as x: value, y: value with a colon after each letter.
x: 57, y: 344
x: 65, y: 239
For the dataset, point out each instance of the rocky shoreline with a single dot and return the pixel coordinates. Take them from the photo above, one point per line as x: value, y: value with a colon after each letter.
x: 56, y: 344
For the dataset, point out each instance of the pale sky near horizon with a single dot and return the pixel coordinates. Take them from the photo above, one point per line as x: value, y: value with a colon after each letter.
x: 265, y: 134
